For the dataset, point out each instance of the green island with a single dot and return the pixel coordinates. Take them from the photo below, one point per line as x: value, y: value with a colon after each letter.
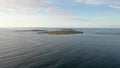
x: 63, y: 31
x: 59, y: 32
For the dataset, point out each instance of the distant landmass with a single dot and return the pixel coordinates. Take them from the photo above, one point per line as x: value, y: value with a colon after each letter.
x: 62, y: 31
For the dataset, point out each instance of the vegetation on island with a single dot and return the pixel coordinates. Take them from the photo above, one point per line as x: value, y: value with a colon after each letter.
x: 62, y: 31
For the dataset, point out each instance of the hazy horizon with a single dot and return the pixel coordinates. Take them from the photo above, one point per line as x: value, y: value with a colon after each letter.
x: 63, y: 27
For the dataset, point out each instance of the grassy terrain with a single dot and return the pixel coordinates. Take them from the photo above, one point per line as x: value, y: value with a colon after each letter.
x: 62, y: 32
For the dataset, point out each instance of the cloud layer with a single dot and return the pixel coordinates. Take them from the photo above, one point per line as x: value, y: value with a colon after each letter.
x: 31, y: 6
x: 49, y: 5
x: 53, y: 6
x: 109, y: 3
x: 60, y: 8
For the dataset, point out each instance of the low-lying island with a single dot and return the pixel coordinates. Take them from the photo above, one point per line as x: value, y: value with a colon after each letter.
x: 63, y: 31
x: 58, y: 32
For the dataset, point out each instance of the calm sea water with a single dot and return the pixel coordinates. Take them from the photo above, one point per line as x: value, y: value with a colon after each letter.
x: 96, y: 48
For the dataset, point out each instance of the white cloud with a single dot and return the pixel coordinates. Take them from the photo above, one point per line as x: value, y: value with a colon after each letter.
x: 113, y: 6
x: 109, y: 3
x: 29, y: 5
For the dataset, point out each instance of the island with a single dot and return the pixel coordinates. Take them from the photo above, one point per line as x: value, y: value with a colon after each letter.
x: 63, y: 31
x: 57, y: 32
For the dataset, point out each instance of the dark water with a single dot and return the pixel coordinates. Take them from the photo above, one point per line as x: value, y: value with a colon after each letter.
x: 96, y: 48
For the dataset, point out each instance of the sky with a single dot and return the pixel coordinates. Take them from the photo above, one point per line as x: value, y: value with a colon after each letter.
x: 60, y: 13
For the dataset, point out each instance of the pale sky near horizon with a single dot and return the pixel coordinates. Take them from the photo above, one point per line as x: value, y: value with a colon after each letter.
x: 60, y: 13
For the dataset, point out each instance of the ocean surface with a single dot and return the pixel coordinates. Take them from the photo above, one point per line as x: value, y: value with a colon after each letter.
x: 96, y: 48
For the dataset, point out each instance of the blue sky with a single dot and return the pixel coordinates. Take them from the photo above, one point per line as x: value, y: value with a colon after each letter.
x: 60, y: 13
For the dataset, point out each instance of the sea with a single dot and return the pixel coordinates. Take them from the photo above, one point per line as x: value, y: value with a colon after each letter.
x: 95, y: 48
